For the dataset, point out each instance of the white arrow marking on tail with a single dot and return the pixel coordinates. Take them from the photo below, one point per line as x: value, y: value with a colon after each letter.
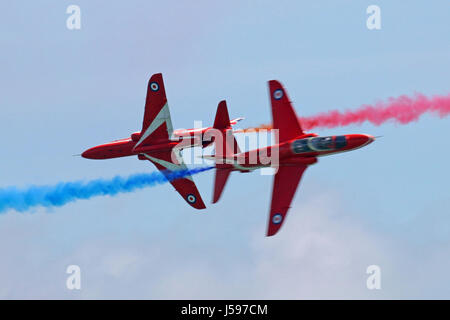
x: 162, y: 117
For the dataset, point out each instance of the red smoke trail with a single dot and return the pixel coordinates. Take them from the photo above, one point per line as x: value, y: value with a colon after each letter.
x: 401, y: 110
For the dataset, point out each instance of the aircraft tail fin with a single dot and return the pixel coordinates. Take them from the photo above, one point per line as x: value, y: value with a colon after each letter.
x: 284, y: 117
x: 227, y: 146
x: 220, y: 180
x: 222, y: 120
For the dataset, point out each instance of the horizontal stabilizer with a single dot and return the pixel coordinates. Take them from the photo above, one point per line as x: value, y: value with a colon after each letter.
x: 235, y: 121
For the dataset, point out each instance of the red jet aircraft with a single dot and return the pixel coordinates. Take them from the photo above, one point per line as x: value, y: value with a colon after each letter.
x: 158, y: 142
x: 295, y: 151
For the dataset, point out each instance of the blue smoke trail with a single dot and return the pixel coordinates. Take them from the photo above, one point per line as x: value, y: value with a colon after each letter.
x: 64, y: 192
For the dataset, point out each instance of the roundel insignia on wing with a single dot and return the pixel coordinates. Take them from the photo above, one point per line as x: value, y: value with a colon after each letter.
x: 278, y: 94
x: 277, y: 218
x: 191, y: 198
x: 154, y: 86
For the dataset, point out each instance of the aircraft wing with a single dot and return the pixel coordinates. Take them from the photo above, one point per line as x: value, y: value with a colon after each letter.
x: 185, y: 186
x: 157, y: 124
x: 285, y: 184
x: 284, y: 117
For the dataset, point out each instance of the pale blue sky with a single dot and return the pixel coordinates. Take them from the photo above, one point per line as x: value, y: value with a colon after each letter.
x: 64, y: 91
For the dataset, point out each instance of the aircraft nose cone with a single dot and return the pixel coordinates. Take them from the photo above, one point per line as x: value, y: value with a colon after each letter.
x: 364, y: 138
x: 89, y: 154
x: 85, y: 154
x: 359, y: 140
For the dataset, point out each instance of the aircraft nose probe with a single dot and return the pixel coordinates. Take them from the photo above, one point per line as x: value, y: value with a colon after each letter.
x: 372, y: 138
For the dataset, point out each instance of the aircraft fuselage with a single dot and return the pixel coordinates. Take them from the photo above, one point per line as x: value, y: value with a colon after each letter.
x: 302, y: 150
x: 127, y: 147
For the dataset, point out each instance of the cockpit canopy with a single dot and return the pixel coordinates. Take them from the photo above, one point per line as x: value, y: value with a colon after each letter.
x: 322, y: 143
x: 319, y: 144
